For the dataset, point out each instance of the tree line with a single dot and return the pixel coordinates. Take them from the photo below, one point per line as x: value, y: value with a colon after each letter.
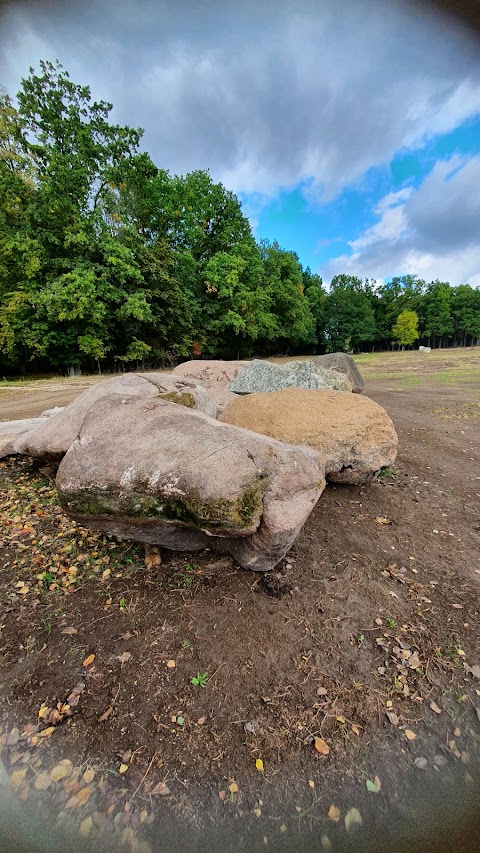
x: 108, y: 260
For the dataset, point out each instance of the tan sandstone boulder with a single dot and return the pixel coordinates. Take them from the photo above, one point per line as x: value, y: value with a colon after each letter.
x: 354, y: 436
x: 154, y: 472
x: 53, y: 437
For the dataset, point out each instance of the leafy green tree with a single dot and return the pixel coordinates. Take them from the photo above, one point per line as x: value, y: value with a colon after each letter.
x: 350, y: 318
x: 405, y: 329
x: 317, y: 300
x: 465, y: 310
x: 436, y: 317
x: 294, y: 323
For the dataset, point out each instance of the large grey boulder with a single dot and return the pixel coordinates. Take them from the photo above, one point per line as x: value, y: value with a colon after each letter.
x: 343, y: 363
x: 354, y: 436
x: 11, y: 430
x: 52, y: 438
x: 264, y: 376
x: 213, y: 374
x: 148, y: 470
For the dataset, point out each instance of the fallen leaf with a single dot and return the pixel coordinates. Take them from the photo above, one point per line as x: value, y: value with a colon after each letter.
x: 321, y: 691
x: 42, y: 782
x: 353, y: 818
x: 105, y: 714
x: 435, y: 707
x: 259, y: 764
x: 473, y: 670
x: 152, y: 559
x: 69, y: 631
x: 257, y: 812
x: 124, y: 657
x: 341, y: 719
x: 88, y: 660
x: 233, y: 788
x: 83, y: 795
x: 86, y: 826
x: 43, y: 712
x: 321, y: 746
x: 17, y: 778
x: 201, y: 721
x: 283, y: 828
x: 171, y: 664
x: 325, y: 842
x: 380, y: 519
x: 355, y: 729
x: 13, y: 737
x: 409, y: 734
x: 59, y: 772
x: 162, y: 789
x: 394, y: 719
x: 334, y: 813
x: 420, y: 762
x: 311, y: 783
x: 372, y: 786
x: 88, y: 776
x: 47, y: 732
x: 123, y: 768
x: 222, y: 795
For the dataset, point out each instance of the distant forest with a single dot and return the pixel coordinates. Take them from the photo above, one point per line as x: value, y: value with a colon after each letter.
x: 107, y: 260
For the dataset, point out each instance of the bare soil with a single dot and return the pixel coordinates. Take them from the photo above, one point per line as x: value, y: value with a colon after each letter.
x: 366, y: 638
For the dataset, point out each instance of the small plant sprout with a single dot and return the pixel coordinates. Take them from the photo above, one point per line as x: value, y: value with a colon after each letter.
x: 47, y: 579
x: 185, y: 644
x: 391, y: 622
x: 122, y: 603
x: 200, y: 679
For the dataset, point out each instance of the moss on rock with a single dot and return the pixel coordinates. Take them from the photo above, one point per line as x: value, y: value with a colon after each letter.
x: 242, y: 513
x: 182, y: 398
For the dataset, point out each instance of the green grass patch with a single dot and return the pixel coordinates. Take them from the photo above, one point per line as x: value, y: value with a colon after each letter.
x: 457, y: 374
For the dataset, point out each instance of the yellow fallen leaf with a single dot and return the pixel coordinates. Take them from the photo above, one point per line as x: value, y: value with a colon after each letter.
x: 47, y: 732
x: 283, y: 828
x: 321, y: 746
x: 88, y: 776
x: 334, y: 813
x: 259, y: 764
x: 58, y: 773
x: 43, y: 712
x: 311, y: 783
x: 233, y: 788
x: 409, y: 734
x: 380, y: 519
x: 171, y: 664
x: 88, y: 660
x: 84, y: 795
x: 257, y: 812
x: 341, y: 719
x: 123, y: 768
x: 17, y: 778
x: 86, y: 826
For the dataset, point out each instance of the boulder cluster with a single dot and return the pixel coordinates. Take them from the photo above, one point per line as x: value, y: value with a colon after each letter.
x: 230, y: 455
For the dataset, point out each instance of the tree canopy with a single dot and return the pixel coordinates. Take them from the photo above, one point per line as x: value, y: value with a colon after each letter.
x: 106, y: 259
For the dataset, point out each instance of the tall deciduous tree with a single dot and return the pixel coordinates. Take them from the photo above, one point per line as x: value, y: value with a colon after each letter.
x: 405, y: 329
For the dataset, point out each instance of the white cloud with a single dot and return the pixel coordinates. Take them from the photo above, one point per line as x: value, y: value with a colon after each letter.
x: 433, y: 232
x: 264, y: 95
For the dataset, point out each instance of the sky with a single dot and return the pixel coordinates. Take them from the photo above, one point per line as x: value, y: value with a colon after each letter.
x: 349, y: 130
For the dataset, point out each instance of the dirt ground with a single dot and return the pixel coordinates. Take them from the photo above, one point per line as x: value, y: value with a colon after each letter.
x: 335, y: 703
